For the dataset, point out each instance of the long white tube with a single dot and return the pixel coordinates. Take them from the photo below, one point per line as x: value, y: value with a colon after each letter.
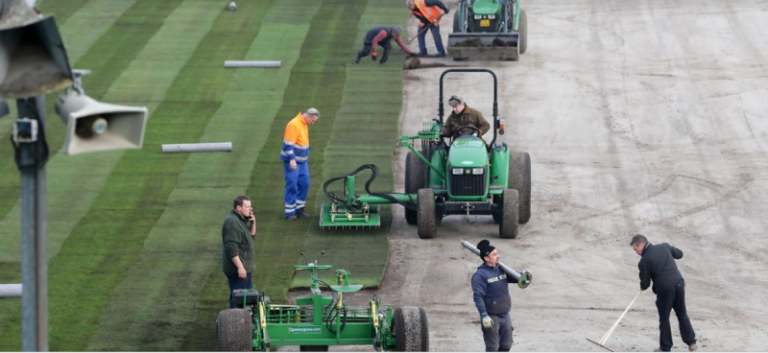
x: 263, y: 64
x: 610, y: 331
x: 10, y: 290
x: 198, y: 147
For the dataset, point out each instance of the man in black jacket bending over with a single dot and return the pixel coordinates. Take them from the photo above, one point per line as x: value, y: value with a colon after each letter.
x: 658, y: 265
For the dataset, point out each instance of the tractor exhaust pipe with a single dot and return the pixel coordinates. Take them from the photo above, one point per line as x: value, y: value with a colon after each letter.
x: 508, y: 270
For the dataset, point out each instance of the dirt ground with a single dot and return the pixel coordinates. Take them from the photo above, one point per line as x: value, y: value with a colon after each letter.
x: 639, y: 116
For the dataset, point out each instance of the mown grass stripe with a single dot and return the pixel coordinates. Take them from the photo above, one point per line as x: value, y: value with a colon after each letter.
x: 364, y: 131
x: 61, y: 9
x: 89, y: 23
x: 108, y: 58
x: 203, y: 196
x: 313, y: 83
x: 103, y: 240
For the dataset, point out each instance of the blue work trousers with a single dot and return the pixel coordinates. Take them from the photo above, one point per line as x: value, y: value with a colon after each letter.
x: 296, y: 187
x: 435, y: 34
x: 236, y: 282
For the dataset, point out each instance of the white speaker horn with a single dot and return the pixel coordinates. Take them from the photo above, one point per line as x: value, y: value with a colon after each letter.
x: 94, y: 126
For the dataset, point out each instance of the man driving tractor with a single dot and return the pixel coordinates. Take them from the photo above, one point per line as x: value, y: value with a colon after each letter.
x: 463, y: 115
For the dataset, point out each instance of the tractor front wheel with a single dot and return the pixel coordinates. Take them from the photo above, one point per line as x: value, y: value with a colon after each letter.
x: 509, y: 214
x: 234, y: 331
x: 414, y: 180
x: 520, y: 180
x: 411, y: 329
x: 427, y: 218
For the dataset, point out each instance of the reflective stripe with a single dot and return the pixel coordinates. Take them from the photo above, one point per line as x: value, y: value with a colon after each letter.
x: 301, y: 159
x: 286, y: 153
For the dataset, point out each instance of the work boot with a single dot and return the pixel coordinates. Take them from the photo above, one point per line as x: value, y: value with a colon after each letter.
x: 301, y: 214
x: 357, y: 60
x: 659, y: 350
x: 292, y: 217
x: 422, y: 54
x: 440, y: 55
x: 692, y: 347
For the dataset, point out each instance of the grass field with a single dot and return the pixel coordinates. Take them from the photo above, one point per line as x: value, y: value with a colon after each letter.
x: 134, y: 236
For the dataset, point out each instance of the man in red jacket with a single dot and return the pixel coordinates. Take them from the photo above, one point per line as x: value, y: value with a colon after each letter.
x: 381, y: 36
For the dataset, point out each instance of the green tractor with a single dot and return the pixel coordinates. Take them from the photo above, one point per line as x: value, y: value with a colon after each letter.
x: 488, y: 29
x: 461, y: 176
x: 317, y: 321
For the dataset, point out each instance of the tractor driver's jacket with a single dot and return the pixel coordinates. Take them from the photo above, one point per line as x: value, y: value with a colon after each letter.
x: 658, y: 264
x: 428, y: 11
x: 296, y: 141
x: 491, y: 290
x: 468, y: 117
x: 237, y: 241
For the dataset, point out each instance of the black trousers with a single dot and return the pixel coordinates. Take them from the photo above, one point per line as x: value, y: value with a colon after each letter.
x: 666, y: 301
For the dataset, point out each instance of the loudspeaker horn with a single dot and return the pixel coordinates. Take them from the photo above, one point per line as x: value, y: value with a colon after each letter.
x: 33, y: 59
x: 94, y: 126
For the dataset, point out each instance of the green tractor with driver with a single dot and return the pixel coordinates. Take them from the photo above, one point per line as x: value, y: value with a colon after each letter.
x: 488, y: 29
x: 461, y: 176
x: 317, y: 321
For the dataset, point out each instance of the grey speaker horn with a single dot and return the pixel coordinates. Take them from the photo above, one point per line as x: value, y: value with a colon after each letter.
x: 94, y: 126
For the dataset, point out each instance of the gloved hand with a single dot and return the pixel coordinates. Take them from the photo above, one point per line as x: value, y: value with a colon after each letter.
x: 525, y: 279
x: 374, y: 55
x: 487, y: 321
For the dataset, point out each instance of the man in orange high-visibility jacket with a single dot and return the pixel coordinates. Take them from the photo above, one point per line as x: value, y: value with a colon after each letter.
x: 294, y: 154
x: 428, y: 12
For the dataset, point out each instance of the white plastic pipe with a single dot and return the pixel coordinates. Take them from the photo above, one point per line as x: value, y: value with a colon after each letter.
x: 198, y: 147
x: 263, y: 64
x: 10, y: 290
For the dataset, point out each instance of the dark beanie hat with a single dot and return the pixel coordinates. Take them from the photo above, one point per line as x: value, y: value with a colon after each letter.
x: 485, y: 248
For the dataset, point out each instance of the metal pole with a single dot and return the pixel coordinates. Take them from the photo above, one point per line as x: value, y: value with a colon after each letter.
x: 34, y: 272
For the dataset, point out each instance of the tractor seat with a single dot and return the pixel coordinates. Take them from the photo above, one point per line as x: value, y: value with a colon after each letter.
x: 251, y: 296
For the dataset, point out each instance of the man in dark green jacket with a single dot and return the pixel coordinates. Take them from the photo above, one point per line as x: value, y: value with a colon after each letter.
x: 237, y: 235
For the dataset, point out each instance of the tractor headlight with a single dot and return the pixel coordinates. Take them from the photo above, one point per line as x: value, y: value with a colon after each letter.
x: 491, y: 17
x: 478, y: 17
x: 457, y: 171
x: 477, y: 171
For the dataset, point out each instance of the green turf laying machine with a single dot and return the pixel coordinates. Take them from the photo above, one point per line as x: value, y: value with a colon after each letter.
x: 488, y: 29
x: 463, y: 176
x: 317, y: 321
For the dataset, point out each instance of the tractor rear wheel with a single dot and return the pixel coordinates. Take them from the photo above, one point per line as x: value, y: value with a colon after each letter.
x: 523, y: 32
x: 414, y: 181
x: 426, y: 217
x: 234, y: 331
x: 509, y: 214
x: 520, y: 180
x: 313, y: 348
x: 411, y: 329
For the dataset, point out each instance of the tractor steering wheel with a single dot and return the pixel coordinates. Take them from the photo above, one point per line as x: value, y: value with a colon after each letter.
x: 457, y: 132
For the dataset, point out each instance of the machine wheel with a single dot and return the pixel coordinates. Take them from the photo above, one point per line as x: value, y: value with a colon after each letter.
x: 411, y: 329
x: 523, y: 32
x: 234, y: 331
x: 313, y: 348
x: 414, y: 181
x: 509, y: 214
x: 520, y: 180
x: 426, y: 217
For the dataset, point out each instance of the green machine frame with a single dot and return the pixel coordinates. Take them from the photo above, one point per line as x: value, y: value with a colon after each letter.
x: 318, y: 321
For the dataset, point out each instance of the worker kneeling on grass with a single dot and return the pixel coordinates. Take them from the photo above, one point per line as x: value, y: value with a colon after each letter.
x: 381, y: 36
x: 491, y: 294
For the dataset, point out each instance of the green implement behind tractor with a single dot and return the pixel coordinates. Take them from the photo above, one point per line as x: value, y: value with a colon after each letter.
x: 317, y: 321
x: 464, y: 176
x: 488, y: 29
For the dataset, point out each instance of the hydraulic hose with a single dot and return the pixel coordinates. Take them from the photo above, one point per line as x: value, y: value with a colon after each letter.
x: 374, y: 173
